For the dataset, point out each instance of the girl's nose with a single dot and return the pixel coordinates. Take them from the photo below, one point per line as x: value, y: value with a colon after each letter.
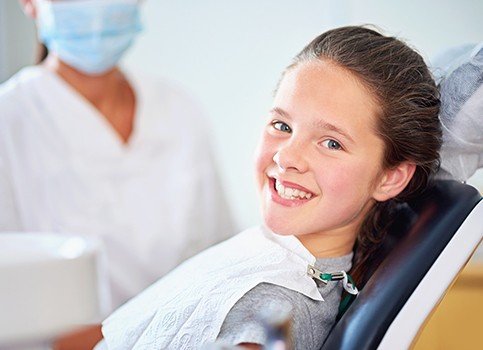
x: 291, y: 158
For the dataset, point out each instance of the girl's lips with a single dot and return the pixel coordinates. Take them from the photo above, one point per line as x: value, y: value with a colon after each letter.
x: 287, y: 202
x: 294, y: 185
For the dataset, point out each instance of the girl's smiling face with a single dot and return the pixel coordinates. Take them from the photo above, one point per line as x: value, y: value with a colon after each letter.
x: 319, y: 162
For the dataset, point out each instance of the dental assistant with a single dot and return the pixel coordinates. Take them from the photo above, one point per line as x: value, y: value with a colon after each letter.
x: 88, y: 148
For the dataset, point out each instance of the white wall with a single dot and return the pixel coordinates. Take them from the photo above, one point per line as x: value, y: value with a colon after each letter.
x: 17, y: 39
x: 230, y: 55
x: 3, y: 41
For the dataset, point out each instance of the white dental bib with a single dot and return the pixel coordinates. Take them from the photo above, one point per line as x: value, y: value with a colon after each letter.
x: 187, y: 307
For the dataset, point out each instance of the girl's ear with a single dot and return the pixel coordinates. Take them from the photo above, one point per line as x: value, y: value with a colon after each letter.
x: 393, y: 181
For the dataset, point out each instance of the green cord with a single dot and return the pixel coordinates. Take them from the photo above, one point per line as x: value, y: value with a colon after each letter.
x: 350, y: 280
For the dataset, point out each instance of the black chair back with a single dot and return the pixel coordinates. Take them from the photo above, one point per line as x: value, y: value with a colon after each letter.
x: 417, y: 238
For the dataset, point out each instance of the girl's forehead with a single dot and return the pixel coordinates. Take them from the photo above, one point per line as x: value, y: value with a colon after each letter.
x: 320, y: 77
x: 322, y: 90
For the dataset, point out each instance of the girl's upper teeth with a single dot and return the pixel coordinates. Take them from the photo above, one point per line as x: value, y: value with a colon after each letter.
x: 290, y: 193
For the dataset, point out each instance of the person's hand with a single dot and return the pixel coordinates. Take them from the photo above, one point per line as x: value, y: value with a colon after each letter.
x: 83, y: 339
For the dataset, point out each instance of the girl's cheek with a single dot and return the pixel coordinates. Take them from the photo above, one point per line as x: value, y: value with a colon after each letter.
x: 264, y: 149
x: 335, y: 177
x: 262, y: 159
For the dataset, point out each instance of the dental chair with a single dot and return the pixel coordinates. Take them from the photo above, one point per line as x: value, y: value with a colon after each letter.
x: 430, y: 242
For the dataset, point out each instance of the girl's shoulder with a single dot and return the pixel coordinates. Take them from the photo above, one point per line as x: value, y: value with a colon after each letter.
x: 310, y: 319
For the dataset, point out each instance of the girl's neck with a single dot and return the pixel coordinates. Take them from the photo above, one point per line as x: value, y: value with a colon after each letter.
x: 339, y: 241
x: 322, y: 245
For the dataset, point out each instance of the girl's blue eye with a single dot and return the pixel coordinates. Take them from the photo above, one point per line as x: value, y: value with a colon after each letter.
x: 281, y: 126
x: 332, y: 144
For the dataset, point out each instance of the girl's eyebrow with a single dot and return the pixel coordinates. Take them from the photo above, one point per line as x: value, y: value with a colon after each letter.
x: 281, y: 112
x: 320, y: 124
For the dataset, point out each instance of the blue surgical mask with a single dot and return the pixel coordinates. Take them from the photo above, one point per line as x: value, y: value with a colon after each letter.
x: 89, y: 35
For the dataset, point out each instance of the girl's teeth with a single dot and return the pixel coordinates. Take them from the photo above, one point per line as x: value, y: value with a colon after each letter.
x: 278, y: 186
x: 290, y: 193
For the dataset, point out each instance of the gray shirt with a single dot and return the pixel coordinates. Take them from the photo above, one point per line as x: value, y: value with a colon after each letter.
x: 311, y: 319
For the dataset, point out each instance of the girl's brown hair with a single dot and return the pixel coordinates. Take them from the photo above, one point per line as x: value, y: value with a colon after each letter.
x: 409, y: 100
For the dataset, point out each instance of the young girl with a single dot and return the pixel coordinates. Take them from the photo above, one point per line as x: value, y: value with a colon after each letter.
x: 353, y: 129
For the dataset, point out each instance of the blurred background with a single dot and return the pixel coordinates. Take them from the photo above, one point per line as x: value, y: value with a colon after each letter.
x: 229, y: 55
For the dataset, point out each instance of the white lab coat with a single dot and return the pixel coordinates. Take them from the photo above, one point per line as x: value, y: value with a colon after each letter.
x: 153, y: 202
